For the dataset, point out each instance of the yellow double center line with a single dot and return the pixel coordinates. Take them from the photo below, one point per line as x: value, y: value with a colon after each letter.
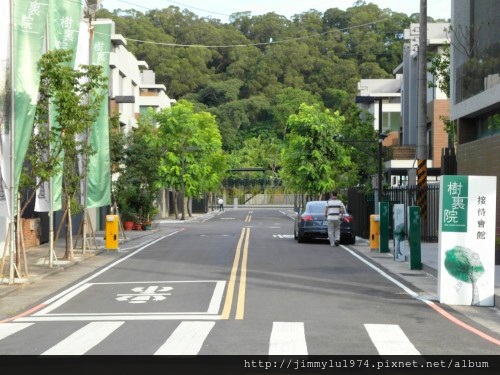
x: 241, y: 252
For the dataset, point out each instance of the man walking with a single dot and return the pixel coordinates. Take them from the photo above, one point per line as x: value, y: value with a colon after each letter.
x: 333, y: 211
x: 220, y: 201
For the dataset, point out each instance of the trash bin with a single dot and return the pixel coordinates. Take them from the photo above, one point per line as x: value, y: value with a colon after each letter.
x: 112, y: 232
x: 374, y: 232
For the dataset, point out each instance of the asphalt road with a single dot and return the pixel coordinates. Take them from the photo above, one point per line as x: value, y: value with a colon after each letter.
x: 237, y: 284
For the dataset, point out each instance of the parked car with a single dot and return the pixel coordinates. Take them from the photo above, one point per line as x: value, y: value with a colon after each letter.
x: 312, y: 224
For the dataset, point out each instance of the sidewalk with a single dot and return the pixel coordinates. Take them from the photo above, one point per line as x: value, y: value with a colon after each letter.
x: 425, y: 283
x: 430, y: 265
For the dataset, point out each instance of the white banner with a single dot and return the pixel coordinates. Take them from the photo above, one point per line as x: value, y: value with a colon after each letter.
x: 467, y: 225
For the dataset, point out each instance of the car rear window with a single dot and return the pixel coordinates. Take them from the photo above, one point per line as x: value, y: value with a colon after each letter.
x: 316, y: 208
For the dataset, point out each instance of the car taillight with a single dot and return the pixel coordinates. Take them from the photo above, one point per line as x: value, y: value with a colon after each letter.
x: 347, y: 219
x: 307, y: 218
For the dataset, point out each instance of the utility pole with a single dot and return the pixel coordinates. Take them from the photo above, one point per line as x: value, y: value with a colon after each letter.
x: 422, y: 112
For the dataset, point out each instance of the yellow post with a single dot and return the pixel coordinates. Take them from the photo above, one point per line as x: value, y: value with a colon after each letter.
x: 374, y: 232
x: 112, y: 232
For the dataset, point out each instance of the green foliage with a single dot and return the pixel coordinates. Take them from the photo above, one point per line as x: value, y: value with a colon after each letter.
x: 116, y: 143
x: 463, y: 264
x: 137, y: 187
x: 312, y: 161
x: 69, y: 116
x: 274, y: 65
x: 192, y: 159
x: 439, y: 67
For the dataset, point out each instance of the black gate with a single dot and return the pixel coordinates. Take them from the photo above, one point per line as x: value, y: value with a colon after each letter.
x: 361, y: 205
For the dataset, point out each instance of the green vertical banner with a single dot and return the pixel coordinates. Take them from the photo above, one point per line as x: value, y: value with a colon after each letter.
x: 63, y: 28
x: 99, y: 174
x: 65, y: 17
x: 64, y: 25
x: 29, y: 40
x: 384, y: 227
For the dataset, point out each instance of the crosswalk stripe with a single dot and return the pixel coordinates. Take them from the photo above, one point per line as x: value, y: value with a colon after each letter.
x: 187, y: 339
x: 84, y: 339
x: 288, y: 338
x: 389, y: 339
x: 7, y: 329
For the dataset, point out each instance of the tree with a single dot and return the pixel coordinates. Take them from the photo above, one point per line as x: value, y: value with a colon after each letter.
x: 312, y: 161
x: 286, y: 103
x: 465, y: 265
x: 137, y: 187
x: 192, y: 160
x: 439, y: 67
x: 62, y: 88
x: 360, y: 141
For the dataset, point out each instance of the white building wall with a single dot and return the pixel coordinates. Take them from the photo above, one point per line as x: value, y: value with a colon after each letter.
x: 388, y: 90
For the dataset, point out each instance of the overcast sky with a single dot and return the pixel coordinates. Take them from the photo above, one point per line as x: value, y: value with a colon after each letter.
x: 221, y: 9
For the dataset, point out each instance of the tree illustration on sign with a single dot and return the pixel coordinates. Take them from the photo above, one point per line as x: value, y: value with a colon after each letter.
x: 465, y: 265
x: 399, y: 236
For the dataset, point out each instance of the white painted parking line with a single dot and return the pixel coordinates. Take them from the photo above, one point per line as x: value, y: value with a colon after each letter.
x: 389, y: 339
x: 187, y: 339
x: 288, y: 338
x: 7, y: 329
x: 84, y: 339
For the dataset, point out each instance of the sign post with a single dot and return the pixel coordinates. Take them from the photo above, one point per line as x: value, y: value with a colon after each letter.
x: 384, y: 227
x: 399, y: 232
x: 467, y: 220
x: 415, y: 262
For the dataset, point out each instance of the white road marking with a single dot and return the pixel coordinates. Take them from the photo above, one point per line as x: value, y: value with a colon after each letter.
x: 384, y: 274
x: 283, y: 236
x: 212, y: 310
x: 93, y: 276
x: 7, y: 329
x: 288, y: 338
x: 389, y: 339
x: 120, y: 317
x: 65, y: 298
x: 216, y: 300
x: 84, y: 339
x: 187, y: 339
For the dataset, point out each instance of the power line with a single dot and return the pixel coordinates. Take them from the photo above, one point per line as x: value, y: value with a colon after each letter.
x: 256, y: 44
x: 174, y: 2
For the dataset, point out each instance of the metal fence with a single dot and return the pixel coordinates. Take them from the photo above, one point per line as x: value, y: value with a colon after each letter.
x: 362, y: 205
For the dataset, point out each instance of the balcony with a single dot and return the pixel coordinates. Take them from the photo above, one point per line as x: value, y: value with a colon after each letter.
x: 476, y: 76
x: 403, y: 152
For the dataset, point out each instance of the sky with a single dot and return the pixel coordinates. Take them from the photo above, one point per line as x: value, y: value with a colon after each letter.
x: 221, y: 9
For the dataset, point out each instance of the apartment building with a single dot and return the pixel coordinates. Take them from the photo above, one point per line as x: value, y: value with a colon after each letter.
x: 475, y: 88
x: 437, y: 108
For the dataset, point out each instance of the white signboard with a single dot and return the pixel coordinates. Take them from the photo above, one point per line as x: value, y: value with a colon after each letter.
x: 467, y: 220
